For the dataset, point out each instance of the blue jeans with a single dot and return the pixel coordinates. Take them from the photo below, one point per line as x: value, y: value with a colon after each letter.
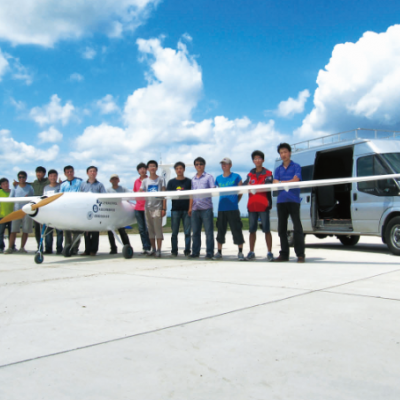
x: 2, y: 230
x: 176, y: 217
x: 49, y: 240
x: 144, y: 234
x: 200, y: 217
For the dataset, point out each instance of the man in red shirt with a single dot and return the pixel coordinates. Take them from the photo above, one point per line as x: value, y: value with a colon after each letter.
x: 139, y: 209
x: 259, y: 204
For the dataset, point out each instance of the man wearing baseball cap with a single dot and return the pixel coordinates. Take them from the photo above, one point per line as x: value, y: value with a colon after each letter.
x: 116, y: 188
x: 228, y: 210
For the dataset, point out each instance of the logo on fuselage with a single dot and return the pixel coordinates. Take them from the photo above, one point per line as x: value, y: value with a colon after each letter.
x: 99, y: 203
x: 95, y: 208
x: 89, y: 215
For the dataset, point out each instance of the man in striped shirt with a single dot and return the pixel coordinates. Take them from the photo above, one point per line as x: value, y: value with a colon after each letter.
x: 201, y: 211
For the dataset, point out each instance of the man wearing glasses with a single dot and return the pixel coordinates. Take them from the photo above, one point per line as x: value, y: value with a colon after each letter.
x: 22, y: 190
x: 201, y: 211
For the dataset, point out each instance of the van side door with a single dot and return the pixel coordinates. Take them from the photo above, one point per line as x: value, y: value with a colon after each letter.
x: 371, y: 199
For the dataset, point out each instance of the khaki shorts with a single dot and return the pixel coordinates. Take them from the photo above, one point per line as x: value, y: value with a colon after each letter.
x: 154, y: 224
x: 26, y: 223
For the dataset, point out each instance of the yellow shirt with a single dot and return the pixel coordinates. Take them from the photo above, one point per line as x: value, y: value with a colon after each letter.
x: 5, y: 208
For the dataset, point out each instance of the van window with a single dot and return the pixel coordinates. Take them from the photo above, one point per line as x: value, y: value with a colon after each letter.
x: 372, y: 165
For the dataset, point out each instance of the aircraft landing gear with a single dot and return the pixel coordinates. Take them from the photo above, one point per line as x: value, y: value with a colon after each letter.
x: 67, y: 251
x: 127, y: 251
x: 38, y: 258
x: 39, y: 255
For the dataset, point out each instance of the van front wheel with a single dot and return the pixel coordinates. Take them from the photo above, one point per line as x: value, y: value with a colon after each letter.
x: 392, y: 235
x: 348, y: 240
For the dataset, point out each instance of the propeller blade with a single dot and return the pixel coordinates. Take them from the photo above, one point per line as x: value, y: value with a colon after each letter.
x: 44, y: 202
x: 13, y: 216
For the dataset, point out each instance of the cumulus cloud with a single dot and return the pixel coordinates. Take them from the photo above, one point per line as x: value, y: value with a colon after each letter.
x: 89, y: 53
x: 360, y: 86
x: 290, y: 107
x: 4, y: 65
x: 19, y: 152
x: 51, y: 135
x: 75, y: 77
x: 53, y: 112
x: 158, y: 120
x: 12, y: 65
x: 107, y: 105
x: 44, y: 23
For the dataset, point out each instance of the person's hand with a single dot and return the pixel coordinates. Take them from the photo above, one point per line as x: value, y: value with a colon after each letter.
x: 59, y: 180
x: 15, y: 183
x: 163, y: 213
x: 190, y: 212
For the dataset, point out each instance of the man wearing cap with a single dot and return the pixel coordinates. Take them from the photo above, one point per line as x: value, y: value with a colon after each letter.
x: 228, y: 210
x: 116, y: 188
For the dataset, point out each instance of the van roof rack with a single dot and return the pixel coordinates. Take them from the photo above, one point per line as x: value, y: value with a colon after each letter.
x: 354, y: 134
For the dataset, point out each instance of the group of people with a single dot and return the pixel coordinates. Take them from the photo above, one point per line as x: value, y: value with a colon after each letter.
x: 193, y: 213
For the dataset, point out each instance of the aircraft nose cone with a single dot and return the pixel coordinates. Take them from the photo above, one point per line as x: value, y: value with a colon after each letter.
x: 27, y: 209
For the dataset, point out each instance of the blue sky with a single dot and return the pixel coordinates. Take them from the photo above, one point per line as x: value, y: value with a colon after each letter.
x: 116, y: 83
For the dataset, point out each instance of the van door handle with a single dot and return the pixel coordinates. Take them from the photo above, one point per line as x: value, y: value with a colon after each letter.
x: 308, y: 199
x: 355, y: 196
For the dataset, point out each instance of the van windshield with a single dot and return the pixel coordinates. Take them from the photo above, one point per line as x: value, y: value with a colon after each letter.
x: 393, y: 159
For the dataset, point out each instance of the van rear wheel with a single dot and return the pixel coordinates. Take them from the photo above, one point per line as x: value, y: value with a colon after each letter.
x: 348, y: 240
x: 392, y: 235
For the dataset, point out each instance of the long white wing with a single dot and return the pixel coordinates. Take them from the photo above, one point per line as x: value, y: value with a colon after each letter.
x: 202, y: 193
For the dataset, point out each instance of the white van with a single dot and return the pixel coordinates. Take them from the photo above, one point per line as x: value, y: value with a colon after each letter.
x: 348, y: 211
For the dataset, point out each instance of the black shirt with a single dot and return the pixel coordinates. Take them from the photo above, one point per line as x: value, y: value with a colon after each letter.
x: 176, y: 184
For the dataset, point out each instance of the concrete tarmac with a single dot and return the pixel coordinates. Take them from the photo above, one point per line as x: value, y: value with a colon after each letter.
x: 108, y: 328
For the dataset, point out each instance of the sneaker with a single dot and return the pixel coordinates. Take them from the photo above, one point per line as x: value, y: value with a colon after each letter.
x: 241, y: 257
x: 208, y: 257
x: 114, y: 251
x: 10, y: 251
x: 144, y: 251
x: 151, y: 252
x: 251, y: 255
x: 270, y: 257
x: 301, y: 259
x: 193, y: 256
x: 22, y: 251
x: 174, y: 254
x: 158, y: 254
x: 217, y: 256
x: 186, y: 253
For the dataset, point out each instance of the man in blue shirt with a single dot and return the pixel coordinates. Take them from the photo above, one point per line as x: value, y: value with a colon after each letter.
x: 94, y: 186
x: 228, y: 210
x: 288, y: 203
x: 71, y: 184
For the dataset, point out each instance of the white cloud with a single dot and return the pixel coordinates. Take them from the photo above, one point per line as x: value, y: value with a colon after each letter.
x: 75, y: 77
x: 53, y: 112
x: 290, y: 107
x: 158, y: 121
x: 19, y: 105
x: 10, y: 64
x: 4, y: 65
x: 52, y: 135
x: 14, y: 152
x: 107, y: 105
x: 44, y: 23
x: 89, y: 53
x: 360, y: 86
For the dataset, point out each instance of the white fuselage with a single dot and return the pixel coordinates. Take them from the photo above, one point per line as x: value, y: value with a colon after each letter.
x: 84, y: 212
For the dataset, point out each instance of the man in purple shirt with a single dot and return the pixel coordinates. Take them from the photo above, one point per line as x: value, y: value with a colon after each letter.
x: 201, y: 211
